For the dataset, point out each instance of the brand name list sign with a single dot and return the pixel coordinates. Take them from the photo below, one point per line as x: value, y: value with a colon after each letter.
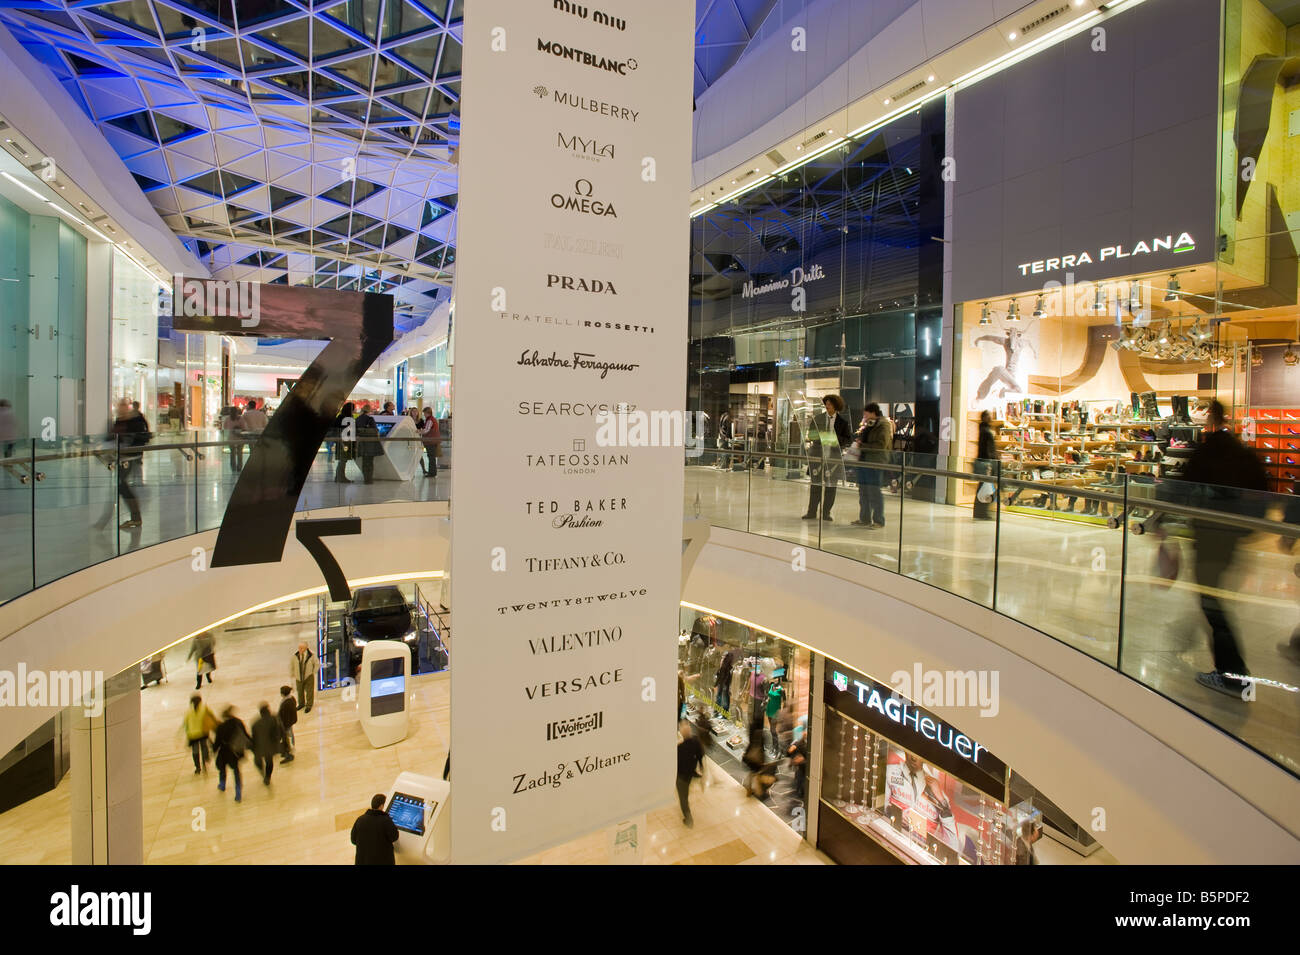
x: 595, y: 732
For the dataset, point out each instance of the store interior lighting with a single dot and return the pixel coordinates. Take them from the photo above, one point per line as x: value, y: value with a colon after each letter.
x: 986, y: 315
x: 1039, y: 310
x: 1099, y: 300
x: 1171, y: 290
x: 1013, y: 312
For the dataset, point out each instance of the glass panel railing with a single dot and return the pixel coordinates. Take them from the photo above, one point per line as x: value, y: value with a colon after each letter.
x: 1076, y: 555
x: 867, y: 524
x: 74, y: 502
x: 717, y: 489
x: 1054, y: 541
x: 17, y: 485
x: 1210, y: 595
x: 943, y: 544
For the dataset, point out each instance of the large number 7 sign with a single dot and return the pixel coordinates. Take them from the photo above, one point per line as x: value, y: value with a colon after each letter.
x: 358, y: 327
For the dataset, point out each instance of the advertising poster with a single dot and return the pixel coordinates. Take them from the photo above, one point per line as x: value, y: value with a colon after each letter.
x: 932, y: 805
x: 571, y: 309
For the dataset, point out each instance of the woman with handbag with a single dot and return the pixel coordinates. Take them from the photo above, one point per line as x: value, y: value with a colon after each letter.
x: 203, y: 652
x: 829, y: 436
x: 987, y: 453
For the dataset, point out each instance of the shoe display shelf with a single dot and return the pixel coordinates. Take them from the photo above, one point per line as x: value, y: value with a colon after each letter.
x: 1276, y: 440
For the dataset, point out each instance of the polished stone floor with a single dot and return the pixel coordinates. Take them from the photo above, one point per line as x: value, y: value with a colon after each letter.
x: 306, y: 813
x: 1063, y: 578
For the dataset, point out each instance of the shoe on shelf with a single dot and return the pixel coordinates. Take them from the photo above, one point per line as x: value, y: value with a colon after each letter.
x: 1217, y: 681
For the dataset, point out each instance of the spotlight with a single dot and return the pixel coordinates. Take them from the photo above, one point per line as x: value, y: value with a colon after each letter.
x: 1013, y: 313
x: 1256, y: 357
x: 1290, y: 357
x: 1039, y: 311
x: 1099, y: 300
x: 986, y: 316
x: 1171, y: 290
x: 1164, y: 334
x: 1134, y: 298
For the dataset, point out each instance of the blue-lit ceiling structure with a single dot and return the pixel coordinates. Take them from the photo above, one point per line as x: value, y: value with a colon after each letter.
x: 297, y: 141
x: 282, y: 142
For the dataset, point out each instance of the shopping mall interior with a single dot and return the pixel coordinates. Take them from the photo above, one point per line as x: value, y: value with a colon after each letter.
x: 961, y: 338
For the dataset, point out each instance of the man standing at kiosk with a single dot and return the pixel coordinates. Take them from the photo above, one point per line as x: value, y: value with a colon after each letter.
x: 374, y: 835
x: 303, y: 670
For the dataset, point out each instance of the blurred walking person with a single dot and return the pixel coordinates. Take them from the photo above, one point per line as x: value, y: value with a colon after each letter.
x: 198, y: 723
x: 267, y: 737
x: 232, y: 742
x: 987, y: 456
x: 1230, y: 478
x: 288, y: 717
x: 203, y: 652
x: 131, y: 432
x: 690, y: 755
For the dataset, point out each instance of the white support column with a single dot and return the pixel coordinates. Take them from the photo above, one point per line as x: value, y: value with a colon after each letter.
x: 817, y: 731
x: 107, y: 811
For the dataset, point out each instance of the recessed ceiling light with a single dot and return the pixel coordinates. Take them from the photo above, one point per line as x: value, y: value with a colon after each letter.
x: 1012, y: 35
x: 886, y: 100
x: 930, y: 78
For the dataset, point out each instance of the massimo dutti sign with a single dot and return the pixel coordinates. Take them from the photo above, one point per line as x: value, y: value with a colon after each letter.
x: 562, y: 545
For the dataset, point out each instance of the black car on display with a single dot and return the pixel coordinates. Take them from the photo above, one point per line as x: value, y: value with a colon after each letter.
x: 378, y: 613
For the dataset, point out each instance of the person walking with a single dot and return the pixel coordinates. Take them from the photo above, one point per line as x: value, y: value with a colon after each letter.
x: 690, y: 756
x: 431, y: 436
x: 368, y: 445
x: 254, y: 418
x: 828, y: 437
x: 288, y: 717
x: 232, y: 425
x: 198, y: 723
x: 302, y: 670
x: 987, y: 457
x: 1221, y: 475
x: 203, y: 652
x: 374, y: 834
x: 345, y: 426
x: 131, y: 432
x: 232, y: 741
x: 875, y: 439
x: 267, y: 737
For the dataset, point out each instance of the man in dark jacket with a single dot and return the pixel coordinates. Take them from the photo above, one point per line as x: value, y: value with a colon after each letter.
x: 690, y: 756
x: 374, y: 834
x: 1230, y: 478
x: 368, y: 445
x: 131, y: 432
x: 288, y: 717
x: 231, y: 740
x: 267, y: 737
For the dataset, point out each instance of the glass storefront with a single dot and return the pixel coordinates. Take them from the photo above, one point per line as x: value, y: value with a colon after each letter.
x: 752, y: 687
x: 135, y: 337
x: 43, y: 301
x: 900, y: 784
x: 822, y: 280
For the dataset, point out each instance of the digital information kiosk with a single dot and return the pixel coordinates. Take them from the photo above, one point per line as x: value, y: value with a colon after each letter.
x: 418, y: 807
x: 384, y: 691
x: 398, y: 460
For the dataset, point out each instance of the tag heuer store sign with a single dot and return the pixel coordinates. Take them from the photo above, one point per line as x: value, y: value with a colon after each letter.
x: 577, y: 127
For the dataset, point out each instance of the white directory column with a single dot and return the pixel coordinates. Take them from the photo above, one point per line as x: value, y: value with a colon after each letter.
x: 571, y: 332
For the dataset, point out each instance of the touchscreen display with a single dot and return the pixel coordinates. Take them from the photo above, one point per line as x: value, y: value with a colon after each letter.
x: 387, y: 686
x: 384, y: 427
x: 407, y: 813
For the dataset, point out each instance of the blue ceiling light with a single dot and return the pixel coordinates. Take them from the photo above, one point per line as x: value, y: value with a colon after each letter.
x: 231, y: 121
